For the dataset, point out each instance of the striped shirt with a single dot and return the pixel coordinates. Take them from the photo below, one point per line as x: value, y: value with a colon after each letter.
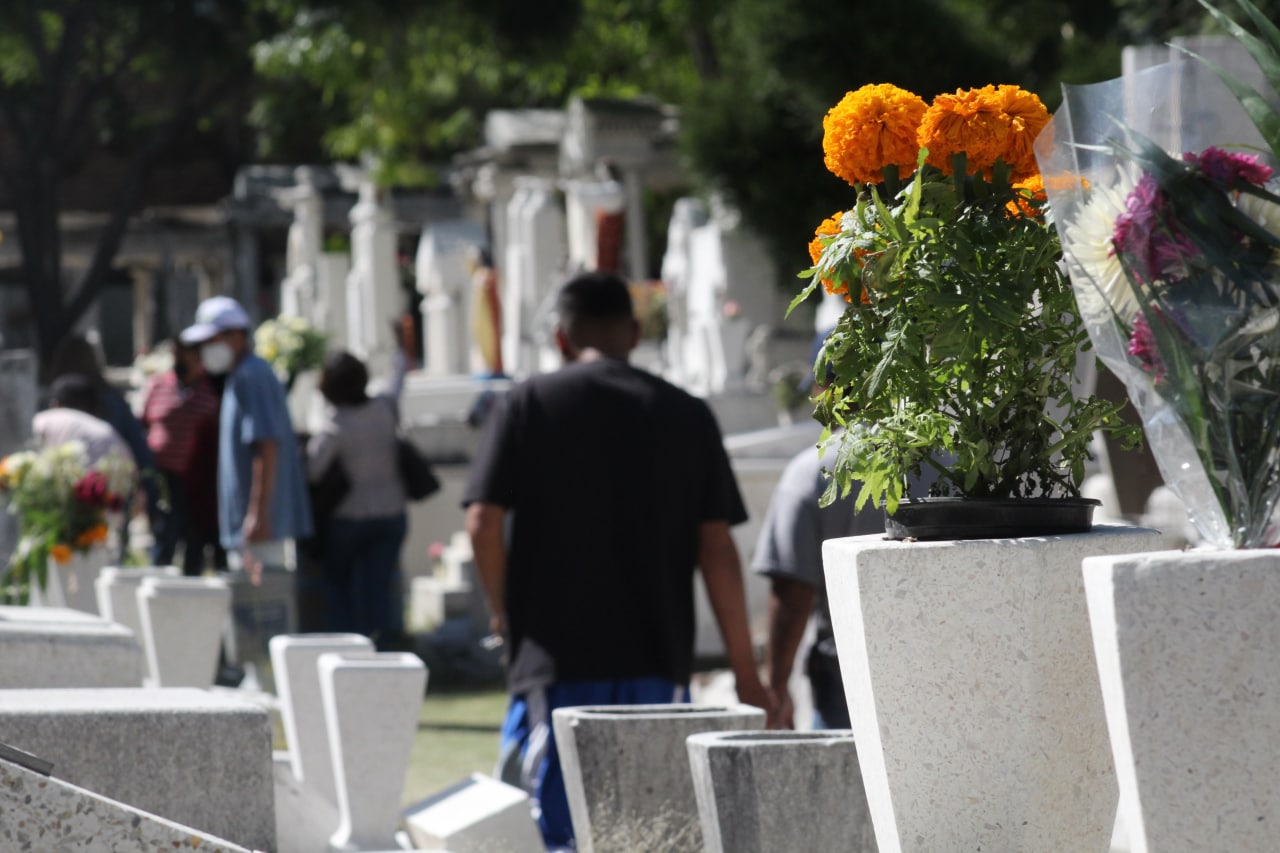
x: 174, y: 415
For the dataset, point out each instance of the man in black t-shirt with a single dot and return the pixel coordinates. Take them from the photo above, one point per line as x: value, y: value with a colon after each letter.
x: 616, y: 485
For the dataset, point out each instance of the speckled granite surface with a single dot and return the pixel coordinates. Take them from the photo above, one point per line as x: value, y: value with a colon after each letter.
x: 973, y: 689
x: 1188, y: 649
x: 43, y: 815
x: 197, y: 757
x: 58, y: 647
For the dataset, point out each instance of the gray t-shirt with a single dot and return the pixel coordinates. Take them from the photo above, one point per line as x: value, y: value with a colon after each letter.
x: 790, y: 543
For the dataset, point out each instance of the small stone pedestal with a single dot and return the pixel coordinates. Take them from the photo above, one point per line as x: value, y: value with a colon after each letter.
x: 183, y: 620
x: 626, y: 772
x: 1187, y: 645
x: 371, y: 702
x: 769, y: 792
x: 972, y: 688
x: 117, y: 592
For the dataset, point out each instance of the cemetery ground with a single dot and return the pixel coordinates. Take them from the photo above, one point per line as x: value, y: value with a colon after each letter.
x: 457, y: 736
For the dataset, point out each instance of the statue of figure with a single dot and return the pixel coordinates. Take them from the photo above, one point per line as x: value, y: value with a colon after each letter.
x: 486, y: 310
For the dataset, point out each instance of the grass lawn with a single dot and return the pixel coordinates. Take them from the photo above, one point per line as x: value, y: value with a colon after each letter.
x: 457, y: 736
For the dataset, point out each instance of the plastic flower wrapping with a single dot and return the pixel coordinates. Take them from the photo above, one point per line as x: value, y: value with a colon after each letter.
x: 957, y: 349
x: 63, y: 506
x: 1167, y: 204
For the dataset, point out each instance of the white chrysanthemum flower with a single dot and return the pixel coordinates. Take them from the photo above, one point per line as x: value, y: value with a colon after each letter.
x: 1088, y: 246
x: 1261, y: 211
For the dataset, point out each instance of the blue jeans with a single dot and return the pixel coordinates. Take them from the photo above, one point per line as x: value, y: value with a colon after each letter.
x: 360, y: 561
x: 528, y: 741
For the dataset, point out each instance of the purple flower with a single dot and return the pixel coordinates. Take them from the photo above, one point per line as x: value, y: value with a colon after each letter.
x: 1142, y: 346
x: 1146, y: 238
x: 1227, y: 170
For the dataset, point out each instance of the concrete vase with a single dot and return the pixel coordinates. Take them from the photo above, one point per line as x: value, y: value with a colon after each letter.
x: 780, y: 792
x: 626, y: 772
x: 973, y: 691
x: 1186, y: 645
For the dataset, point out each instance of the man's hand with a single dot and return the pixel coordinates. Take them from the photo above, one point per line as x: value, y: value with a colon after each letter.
x: 257, y: 526
x: 751, y: 691
x: 786, y: 716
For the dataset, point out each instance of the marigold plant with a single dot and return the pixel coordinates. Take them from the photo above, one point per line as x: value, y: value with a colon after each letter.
x: 960, y: 353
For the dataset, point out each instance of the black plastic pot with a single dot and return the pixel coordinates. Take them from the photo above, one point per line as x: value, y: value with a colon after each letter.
x: 989, y: 518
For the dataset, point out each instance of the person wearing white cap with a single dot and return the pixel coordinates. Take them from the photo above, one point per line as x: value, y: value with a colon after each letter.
x: 263, y: 507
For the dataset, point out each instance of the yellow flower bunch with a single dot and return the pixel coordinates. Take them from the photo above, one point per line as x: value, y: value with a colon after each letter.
x: 882, y: 125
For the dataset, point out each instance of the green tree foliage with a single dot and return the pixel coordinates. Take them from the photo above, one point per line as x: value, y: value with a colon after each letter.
x: 410, y: 83
x: 82, y: 77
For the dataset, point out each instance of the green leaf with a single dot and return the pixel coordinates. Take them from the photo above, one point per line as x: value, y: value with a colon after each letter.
x: 1264, y: 116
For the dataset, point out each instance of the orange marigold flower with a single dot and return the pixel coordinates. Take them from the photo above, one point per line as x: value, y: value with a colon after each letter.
x: 829, y: 226
x: 872, y: 128
x: 1027, y: 116
x: 966, y: 122
x: 989, y: 123
x: 1022, y: 205
x: 60, y: 553
x: 92, y: 536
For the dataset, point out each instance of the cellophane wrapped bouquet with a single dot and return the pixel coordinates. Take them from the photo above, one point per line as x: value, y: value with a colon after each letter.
x: 1167, y: 199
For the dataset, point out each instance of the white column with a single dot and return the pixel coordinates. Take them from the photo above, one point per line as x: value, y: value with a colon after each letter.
x: 513, y: 280
x: 299, y: 291
x: 373, y: 287
x: 634, y: 226
x: 371, y: 702
x: 583, y: 200
x: 547, y: 255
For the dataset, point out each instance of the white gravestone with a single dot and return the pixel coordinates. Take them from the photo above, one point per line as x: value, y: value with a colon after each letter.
x: 117, y: 592
x: 479, y: 815
x: 183, y: 622
x: 371, y: 704
x: 294, y: 659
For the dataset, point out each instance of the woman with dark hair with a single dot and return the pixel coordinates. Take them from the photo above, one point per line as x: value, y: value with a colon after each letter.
x: 360, y: 549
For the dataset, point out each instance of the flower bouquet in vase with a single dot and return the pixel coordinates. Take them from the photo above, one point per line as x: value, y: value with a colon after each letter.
x: 64, y: 508
x: 1168, y: 203
x: 967, y: 660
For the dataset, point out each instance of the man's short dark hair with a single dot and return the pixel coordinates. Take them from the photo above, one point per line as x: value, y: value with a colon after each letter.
x: 76, y: 391
x: 594, y: 299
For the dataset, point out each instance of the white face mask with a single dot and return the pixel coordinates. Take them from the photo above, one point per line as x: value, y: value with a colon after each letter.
x: 217, y: 357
